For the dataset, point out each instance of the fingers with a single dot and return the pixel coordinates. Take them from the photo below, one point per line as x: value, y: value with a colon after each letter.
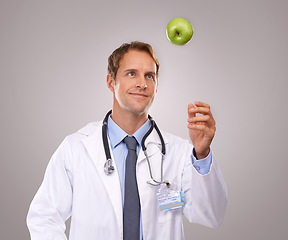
x: 199, y: 107
x: 206, y: 117
x: 201, y: 125
x: 202, y: 104
x: 209, y: 131
x: 191, y: 112
x: 202, y: 118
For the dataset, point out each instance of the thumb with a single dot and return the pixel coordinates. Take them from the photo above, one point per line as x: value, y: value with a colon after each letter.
x: 191, y: 113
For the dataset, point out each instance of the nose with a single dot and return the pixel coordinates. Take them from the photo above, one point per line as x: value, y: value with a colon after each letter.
x: 141, y: 83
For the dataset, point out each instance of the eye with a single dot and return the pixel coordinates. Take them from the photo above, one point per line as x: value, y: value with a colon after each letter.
x: 131, y: 74
x: 150, y: 76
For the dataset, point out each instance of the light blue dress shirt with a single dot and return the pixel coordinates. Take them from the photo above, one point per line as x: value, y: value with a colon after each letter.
x: 120, y: 151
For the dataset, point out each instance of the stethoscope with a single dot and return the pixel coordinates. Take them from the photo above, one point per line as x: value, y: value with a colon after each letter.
x: 109, y: 168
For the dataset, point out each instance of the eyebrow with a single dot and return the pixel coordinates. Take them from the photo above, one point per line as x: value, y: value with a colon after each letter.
x: 130, y: 70
x: 151, y: 73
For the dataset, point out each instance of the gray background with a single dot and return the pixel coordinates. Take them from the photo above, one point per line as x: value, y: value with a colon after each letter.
x: 53, y: 59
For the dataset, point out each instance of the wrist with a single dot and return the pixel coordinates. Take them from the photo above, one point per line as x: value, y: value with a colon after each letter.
x: 201, y: 154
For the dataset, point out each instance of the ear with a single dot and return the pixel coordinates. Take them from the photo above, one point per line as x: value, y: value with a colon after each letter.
x: 110, y: 82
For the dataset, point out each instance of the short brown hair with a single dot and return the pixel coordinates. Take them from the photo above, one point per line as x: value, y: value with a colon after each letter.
x: 115, y: 58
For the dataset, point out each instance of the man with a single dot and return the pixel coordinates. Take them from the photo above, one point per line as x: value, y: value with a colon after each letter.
x: 144, y: 201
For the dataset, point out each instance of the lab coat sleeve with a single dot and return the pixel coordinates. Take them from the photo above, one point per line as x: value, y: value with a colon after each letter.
x: 51, y: 206
x: 205, y: 195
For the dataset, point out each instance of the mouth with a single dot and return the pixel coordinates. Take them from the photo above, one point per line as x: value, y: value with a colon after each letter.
x: 137, y: 94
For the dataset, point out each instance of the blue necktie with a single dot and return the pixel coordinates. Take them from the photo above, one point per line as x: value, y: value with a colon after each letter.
x: 131, y: 211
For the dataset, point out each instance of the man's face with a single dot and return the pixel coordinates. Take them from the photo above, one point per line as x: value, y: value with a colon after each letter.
x: 135, y: 85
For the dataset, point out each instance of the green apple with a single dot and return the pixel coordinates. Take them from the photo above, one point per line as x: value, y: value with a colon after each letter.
x: 179, y: 31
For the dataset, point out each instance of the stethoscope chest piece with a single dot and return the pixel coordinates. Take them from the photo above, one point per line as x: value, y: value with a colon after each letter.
x: 108, y: 167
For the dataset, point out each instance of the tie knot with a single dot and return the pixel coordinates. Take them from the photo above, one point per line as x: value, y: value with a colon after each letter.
x: 131, y: 143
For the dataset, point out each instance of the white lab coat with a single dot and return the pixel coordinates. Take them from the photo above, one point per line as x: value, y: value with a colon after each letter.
x: 76, y: 184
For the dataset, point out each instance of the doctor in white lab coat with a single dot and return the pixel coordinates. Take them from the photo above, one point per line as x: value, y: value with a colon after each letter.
x: 76, y: 185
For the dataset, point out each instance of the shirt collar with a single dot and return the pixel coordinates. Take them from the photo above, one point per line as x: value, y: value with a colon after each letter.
x: 116, y: 134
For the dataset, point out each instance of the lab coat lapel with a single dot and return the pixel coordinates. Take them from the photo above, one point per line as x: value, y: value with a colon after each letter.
x: 94, y: 146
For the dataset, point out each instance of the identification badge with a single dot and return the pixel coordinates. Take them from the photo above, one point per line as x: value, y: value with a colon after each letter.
x: 169, y: 196
x: 170, y: 200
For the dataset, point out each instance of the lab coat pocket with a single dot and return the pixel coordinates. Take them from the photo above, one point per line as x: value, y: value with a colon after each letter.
x: 168, y: 215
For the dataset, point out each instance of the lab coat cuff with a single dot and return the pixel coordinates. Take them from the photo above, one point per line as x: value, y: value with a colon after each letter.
x: 202, y: 166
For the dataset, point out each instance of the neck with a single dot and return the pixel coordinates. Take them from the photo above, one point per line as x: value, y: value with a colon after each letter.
x: 129, y: 122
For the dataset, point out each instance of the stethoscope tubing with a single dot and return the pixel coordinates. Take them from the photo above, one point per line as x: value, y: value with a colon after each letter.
x: 109, y: 168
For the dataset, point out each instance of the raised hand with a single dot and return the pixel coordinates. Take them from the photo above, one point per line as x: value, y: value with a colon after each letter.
x: 201, y: 125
